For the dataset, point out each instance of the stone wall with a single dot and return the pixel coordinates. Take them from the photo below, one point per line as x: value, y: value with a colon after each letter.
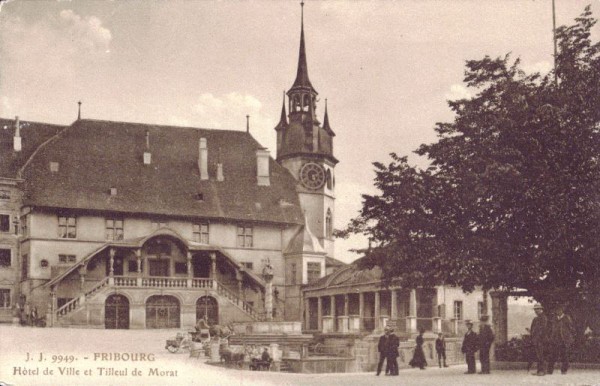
x: 363, y: 349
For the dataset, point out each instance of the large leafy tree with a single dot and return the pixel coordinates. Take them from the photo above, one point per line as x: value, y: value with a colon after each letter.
x: 511, y: 199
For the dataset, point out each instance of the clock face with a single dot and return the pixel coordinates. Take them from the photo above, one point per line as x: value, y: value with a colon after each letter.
x: 312, y: 175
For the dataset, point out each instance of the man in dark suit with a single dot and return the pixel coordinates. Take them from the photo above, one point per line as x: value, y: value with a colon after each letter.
x: 539, y: 337
x: 470, y: 347
x: 561, y: 339
x: 440, y: 349
x: 392, y: 353
x: 486, y: 338
x: 382, y: 347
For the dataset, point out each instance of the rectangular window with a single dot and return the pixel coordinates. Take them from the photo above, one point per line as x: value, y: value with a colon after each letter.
x: 24, y: 266
x: 65, y: 259
x: 244, y: 237
x: 158, y: 268
x: 458, y: 309
x: 293, y: 274
x: 313, y: 272
x: 114, y: 229
x: 5, y: 258
x: 159, y: 224
x: 67, y: 227
x: 4, y: 223
x: 4, y: 194
x: 200, y: 233
x: 248, y: 265
x: 479, y: 310
x: 4, y: 298
x: 180, y: 268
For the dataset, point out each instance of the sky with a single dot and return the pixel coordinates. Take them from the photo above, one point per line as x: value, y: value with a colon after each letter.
x: 387, y: 68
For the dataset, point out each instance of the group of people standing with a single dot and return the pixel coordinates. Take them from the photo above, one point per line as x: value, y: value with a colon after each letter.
x: 388, y: 352
x: 552, y: 339
x: 473, y: 342
x: 481, y: 342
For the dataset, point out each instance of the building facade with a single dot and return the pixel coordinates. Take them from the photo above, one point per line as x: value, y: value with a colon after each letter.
x: 126, y: 225
x: 355, y: 301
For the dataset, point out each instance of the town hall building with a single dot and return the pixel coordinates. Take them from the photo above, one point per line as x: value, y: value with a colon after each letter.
x: 128, y: 225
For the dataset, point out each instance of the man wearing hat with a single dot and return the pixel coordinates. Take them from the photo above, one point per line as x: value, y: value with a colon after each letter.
x: 539, y: 337
x: 470, y: 347
x: 561, y: 339
x: 486, y: 338
x: 392, y: 352
x: 382, y: 347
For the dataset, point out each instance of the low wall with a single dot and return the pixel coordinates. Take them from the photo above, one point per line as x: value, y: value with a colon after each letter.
x: 273, y: 327
x: 363, y: 351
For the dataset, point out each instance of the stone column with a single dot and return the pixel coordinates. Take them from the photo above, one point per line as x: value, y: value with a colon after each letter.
x: 332, y: 312
x: 306, y: 313
x: 320, y: 313
x: 111, y: 272
x: 394, y: 305
x: 377, y: 311
x: 361, y: 311
x: 138, y: 259
x: 52, y: 308
x: 411, y: 319
x: 500, y: 316
x: 213, y: 265
x: 190, y: 271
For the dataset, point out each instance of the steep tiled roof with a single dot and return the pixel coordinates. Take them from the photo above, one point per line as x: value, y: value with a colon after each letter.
x: 95, y: 156
x: 33, y: 134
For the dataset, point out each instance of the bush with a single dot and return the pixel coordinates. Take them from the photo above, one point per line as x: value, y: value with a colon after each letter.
x: 521, y: 350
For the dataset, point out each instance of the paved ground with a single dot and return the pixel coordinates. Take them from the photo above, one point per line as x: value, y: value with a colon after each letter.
x: 16, y: 342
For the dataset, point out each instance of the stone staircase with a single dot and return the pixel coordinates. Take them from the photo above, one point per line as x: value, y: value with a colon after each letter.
x: 62, y: 315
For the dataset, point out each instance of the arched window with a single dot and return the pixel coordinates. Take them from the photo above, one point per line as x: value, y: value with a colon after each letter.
x: 297, y: 106
x: 328, y: 224
x: 328, y: 179
x: 306, y: 104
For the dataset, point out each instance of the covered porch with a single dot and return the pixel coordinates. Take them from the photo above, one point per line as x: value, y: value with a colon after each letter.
x: 162, y: 261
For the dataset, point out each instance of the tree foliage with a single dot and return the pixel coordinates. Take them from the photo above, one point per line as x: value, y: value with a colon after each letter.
x: 512, y: 195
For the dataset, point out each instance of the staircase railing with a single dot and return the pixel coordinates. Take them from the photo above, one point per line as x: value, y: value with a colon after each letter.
x: 161, y: 282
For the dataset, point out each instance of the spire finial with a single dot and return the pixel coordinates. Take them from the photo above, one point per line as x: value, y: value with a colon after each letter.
x: 302, y: 74
x: 79, y: 110
x: 247, y: 123
x: 283, y: 116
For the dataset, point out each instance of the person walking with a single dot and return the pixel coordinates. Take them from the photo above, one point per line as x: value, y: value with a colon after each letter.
x: 486, y: 338
x: 382, y: 347
x: 418, y: 359
x: 539, y: 338
x: 440, y: 349
x: 561, y: 339
x: 392, y: 353
x: 469, y: 347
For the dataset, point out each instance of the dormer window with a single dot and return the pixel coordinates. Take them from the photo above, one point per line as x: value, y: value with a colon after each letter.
x: 54, y: 167
x: 199, y: 196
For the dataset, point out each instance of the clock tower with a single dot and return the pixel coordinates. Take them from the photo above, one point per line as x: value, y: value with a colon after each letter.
x: 305, y: 148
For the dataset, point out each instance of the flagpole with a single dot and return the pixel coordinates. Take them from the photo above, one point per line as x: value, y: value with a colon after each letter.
x: 554, y: 37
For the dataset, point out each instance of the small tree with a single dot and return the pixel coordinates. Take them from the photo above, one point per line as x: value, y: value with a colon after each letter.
x: 512, y: 196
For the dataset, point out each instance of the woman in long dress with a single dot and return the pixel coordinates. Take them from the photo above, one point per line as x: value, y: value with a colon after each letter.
x: 418, y: 359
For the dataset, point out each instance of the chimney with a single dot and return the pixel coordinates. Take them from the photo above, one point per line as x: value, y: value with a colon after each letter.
x: 262, y: 167
x: 147, y: 154
x: 203, y: 159
x: 17, y: 138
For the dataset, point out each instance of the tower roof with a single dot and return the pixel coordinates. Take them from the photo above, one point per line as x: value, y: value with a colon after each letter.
x: 302, y: 80
x: 326, y: 126
x: 283, y: 120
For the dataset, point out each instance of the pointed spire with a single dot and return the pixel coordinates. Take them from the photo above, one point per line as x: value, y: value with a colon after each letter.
x: 302, y: 74
x: 326, y: 121
x: 283, y: 120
